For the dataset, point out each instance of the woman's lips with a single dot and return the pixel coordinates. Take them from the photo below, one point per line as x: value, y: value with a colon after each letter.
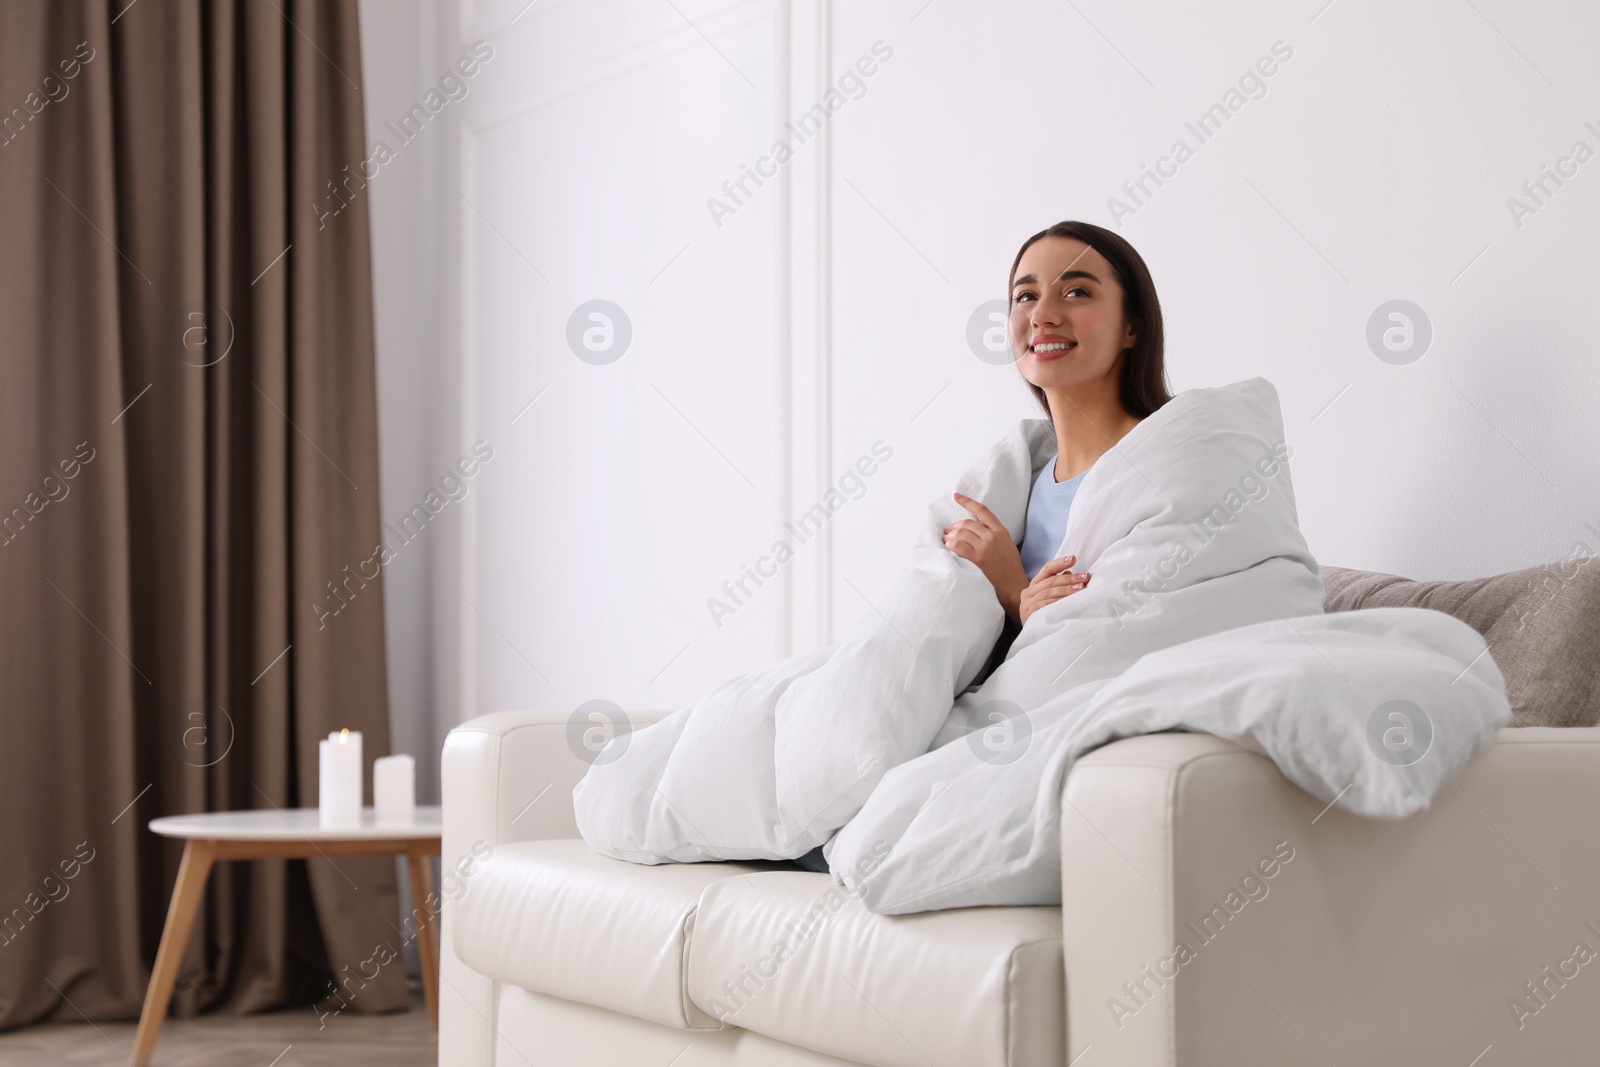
x: 1052, y: 350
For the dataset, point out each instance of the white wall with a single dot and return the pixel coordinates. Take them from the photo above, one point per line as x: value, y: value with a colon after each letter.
x: 414, y: 278
x: 830, y: 311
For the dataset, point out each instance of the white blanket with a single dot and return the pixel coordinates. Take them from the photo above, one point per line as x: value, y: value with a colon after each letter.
x: 1204, y: 614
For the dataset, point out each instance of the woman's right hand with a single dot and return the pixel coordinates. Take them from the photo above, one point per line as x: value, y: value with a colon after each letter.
x: 1053, y: 582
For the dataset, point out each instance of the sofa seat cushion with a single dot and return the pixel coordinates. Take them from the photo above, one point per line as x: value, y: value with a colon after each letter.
x: 556, y: 917
x: 793, y: 956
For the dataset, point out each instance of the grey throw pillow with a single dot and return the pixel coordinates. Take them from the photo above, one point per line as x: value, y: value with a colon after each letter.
x: 1542, y: 626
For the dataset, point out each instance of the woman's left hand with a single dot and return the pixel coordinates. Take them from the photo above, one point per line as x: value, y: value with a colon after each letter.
x: 985, y: 541
x: 1054, y: 581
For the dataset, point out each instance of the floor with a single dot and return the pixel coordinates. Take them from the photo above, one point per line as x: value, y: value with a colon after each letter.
x: 278, y: 1039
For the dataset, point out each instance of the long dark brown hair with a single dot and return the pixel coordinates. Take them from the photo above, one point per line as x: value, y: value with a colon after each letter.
x: 1143, y: 386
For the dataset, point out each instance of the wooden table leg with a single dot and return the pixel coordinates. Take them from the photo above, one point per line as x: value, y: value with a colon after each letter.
x: 198, y: 856
x: 427, y: 935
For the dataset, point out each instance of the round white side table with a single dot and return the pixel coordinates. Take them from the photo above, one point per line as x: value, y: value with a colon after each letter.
x: 292, y: 833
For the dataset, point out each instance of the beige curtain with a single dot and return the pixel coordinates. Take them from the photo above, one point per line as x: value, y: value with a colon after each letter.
x: 188, y: 473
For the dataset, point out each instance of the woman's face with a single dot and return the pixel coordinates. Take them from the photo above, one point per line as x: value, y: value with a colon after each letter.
x: 1067, y: 327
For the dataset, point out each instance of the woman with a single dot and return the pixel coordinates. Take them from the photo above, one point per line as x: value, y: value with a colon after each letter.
x: 1085, y: 329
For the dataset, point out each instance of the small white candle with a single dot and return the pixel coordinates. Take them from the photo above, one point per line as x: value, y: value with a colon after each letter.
x: 394, y: 789
x: 339, y: 779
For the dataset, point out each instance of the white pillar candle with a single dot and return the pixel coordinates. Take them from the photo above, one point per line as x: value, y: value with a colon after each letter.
x: 339, y: 779
x: 394, y: 789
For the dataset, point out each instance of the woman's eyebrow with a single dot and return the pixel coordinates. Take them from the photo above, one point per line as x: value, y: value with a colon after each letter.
x: 1028, y: 279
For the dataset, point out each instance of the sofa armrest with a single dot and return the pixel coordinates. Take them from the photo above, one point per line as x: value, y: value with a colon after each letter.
x: 506, y: 777
x: 509, y: 776
x: 1372, y: 942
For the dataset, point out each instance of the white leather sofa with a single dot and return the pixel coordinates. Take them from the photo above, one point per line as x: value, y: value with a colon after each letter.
x: 1368, y: 944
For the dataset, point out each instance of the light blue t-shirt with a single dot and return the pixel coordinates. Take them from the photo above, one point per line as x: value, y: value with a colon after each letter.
x: 1048, y: 505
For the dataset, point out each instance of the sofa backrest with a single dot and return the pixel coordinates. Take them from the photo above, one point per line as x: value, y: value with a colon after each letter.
x: 1542, y: 626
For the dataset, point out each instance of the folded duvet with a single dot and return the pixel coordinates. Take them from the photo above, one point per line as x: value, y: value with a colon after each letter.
x: 1205, y: 614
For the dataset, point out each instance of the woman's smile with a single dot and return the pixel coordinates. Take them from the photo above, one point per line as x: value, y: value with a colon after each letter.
x: 1051, y: 346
